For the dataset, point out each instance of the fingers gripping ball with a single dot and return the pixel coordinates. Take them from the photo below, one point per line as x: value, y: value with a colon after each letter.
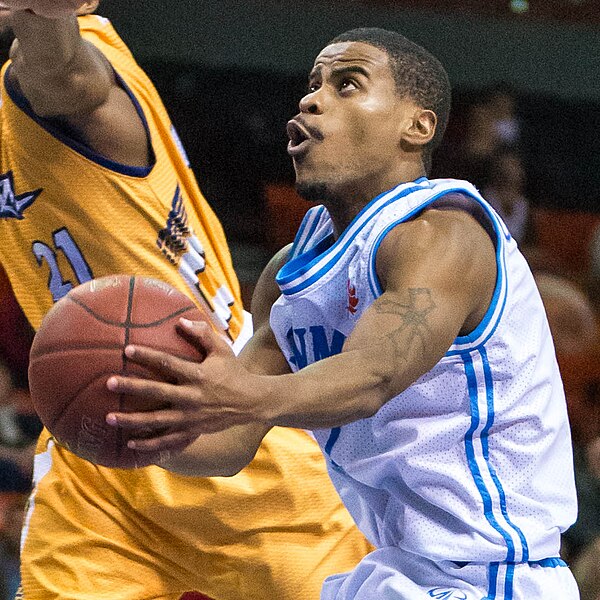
x: 81, y: 343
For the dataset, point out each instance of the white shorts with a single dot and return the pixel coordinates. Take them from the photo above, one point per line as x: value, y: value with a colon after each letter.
x: 394, y: 574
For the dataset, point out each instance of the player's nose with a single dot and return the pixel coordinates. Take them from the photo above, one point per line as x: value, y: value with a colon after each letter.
x: 312, y: 103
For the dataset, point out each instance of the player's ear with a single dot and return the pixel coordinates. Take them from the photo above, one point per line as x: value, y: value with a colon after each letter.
x: 419, y: 127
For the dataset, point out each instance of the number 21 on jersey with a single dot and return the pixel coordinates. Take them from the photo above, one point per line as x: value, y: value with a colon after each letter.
x: 63, y: 245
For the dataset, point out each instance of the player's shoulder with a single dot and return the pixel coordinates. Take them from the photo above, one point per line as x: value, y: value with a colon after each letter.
x: 442, y: 238
x: 452, y: 219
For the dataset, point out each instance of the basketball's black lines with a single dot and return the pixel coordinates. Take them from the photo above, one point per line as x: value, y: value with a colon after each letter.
x: 180, y: 311
x: 120, y: 434
x: 74, y: 348
x: 69, y: 402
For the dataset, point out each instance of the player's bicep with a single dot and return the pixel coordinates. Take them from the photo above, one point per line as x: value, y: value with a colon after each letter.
x: 436, y: 272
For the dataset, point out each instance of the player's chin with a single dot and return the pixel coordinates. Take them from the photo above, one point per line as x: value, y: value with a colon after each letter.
x: 312, y: 189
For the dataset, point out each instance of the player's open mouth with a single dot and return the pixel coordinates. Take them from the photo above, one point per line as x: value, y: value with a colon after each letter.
x: 300, y: 138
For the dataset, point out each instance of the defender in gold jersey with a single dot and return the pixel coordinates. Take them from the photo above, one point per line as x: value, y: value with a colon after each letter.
x: 94, y: 181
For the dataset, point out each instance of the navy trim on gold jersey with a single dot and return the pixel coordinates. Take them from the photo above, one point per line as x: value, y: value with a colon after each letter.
x: 21, y: 101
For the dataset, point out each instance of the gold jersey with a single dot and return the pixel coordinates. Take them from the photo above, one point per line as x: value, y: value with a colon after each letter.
x: 67, y: 215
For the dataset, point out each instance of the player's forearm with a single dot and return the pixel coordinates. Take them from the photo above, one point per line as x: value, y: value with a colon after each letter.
x: 58, y: 72
x: 335, y: 391
x: 45, y: 46
x: 192, y: 464
x: 222, y: 454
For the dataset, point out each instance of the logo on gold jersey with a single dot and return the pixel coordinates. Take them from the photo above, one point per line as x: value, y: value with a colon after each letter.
x: 13, y: 205
x: 173, y: 240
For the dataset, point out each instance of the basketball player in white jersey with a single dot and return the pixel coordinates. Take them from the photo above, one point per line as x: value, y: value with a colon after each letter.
x: 404, y: 328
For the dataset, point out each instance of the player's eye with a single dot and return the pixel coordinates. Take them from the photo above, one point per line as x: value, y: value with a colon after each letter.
x: 348, y: 85
x: 313, y: 87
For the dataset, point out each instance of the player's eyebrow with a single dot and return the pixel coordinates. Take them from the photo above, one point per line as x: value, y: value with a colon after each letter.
x: 350, y: 69
x: 342, y: 70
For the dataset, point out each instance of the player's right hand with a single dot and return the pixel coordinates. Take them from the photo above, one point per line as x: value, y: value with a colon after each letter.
x: 51, y: 9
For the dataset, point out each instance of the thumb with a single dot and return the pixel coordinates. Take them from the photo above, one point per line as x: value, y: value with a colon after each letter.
x: 204, y: 337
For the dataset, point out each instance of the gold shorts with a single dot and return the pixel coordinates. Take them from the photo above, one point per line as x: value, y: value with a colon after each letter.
x: 275, y: 531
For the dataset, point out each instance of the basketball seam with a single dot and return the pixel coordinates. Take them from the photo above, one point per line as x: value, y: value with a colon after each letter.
x: 59, y: 348
x: 120, y: 433
x: 133, y: 325
x: 75, y: 394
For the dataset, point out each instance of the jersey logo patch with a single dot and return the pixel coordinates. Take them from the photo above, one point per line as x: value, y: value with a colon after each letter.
x: 352, y: 298
x: 13, y: 205
x: 446, y: 594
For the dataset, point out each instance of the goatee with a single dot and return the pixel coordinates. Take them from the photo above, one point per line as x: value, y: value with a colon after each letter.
x: 317, y: 192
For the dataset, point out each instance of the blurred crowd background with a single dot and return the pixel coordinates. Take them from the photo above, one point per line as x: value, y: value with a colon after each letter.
x: 524, y: 128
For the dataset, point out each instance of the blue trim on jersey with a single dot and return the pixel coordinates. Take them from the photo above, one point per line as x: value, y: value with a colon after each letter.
x: 508, y: 581
x: 374, y: 282
x: 488, y: 316
x: 493, y: 581
x: 502, y: 277
x: 489, y: 388
x: 377, y: 290
x: 549, y: 563
x: 302, y: 263
x: 473, y: 466
x: 333, y: 437
x: 21, y: 102
x: 300, y: 239
x: 286, y: 276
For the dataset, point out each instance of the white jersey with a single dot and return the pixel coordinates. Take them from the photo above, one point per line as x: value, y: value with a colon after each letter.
x: 472, y: 462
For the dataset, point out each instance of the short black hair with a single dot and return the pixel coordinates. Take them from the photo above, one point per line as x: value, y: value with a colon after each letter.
x: 418, y: 75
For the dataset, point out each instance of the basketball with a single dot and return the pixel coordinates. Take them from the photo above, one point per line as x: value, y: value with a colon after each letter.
x: 81, y: 343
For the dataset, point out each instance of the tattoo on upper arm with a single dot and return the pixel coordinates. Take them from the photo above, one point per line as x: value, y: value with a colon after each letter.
x: 412, y: 314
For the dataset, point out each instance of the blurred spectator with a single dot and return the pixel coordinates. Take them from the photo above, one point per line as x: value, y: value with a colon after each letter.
x: 16, y: 462
x: 570, y: 314
x: 593, y: 274
x: 587, y: 572
x: 493, y: 123
x: 478, y: 129
x: 576, y: 337
x: 12, y: 508
x: 17, y: 334
x: 19, y: 425
x: 505, y: 191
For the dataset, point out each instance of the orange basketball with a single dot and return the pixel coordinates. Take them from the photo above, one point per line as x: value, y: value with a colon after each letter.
x: 81, y: 343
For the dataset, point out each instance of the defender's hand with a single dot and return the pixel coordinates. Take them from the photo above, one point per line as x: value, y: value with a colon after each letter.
x: 51, y: 9
x: 205, y: 397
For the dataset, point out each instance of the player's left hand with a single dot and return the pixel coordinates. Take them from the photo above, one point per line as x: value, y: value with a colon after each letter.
x: 205, y: 397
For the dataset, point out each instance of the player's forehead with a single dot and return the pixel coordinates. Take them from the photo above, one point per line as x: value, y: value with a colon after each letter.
x: 351, y: 54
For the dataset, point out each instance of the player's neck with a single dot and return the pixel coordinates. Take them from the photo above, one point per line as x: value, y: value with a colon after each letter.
x: 344, y: 205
